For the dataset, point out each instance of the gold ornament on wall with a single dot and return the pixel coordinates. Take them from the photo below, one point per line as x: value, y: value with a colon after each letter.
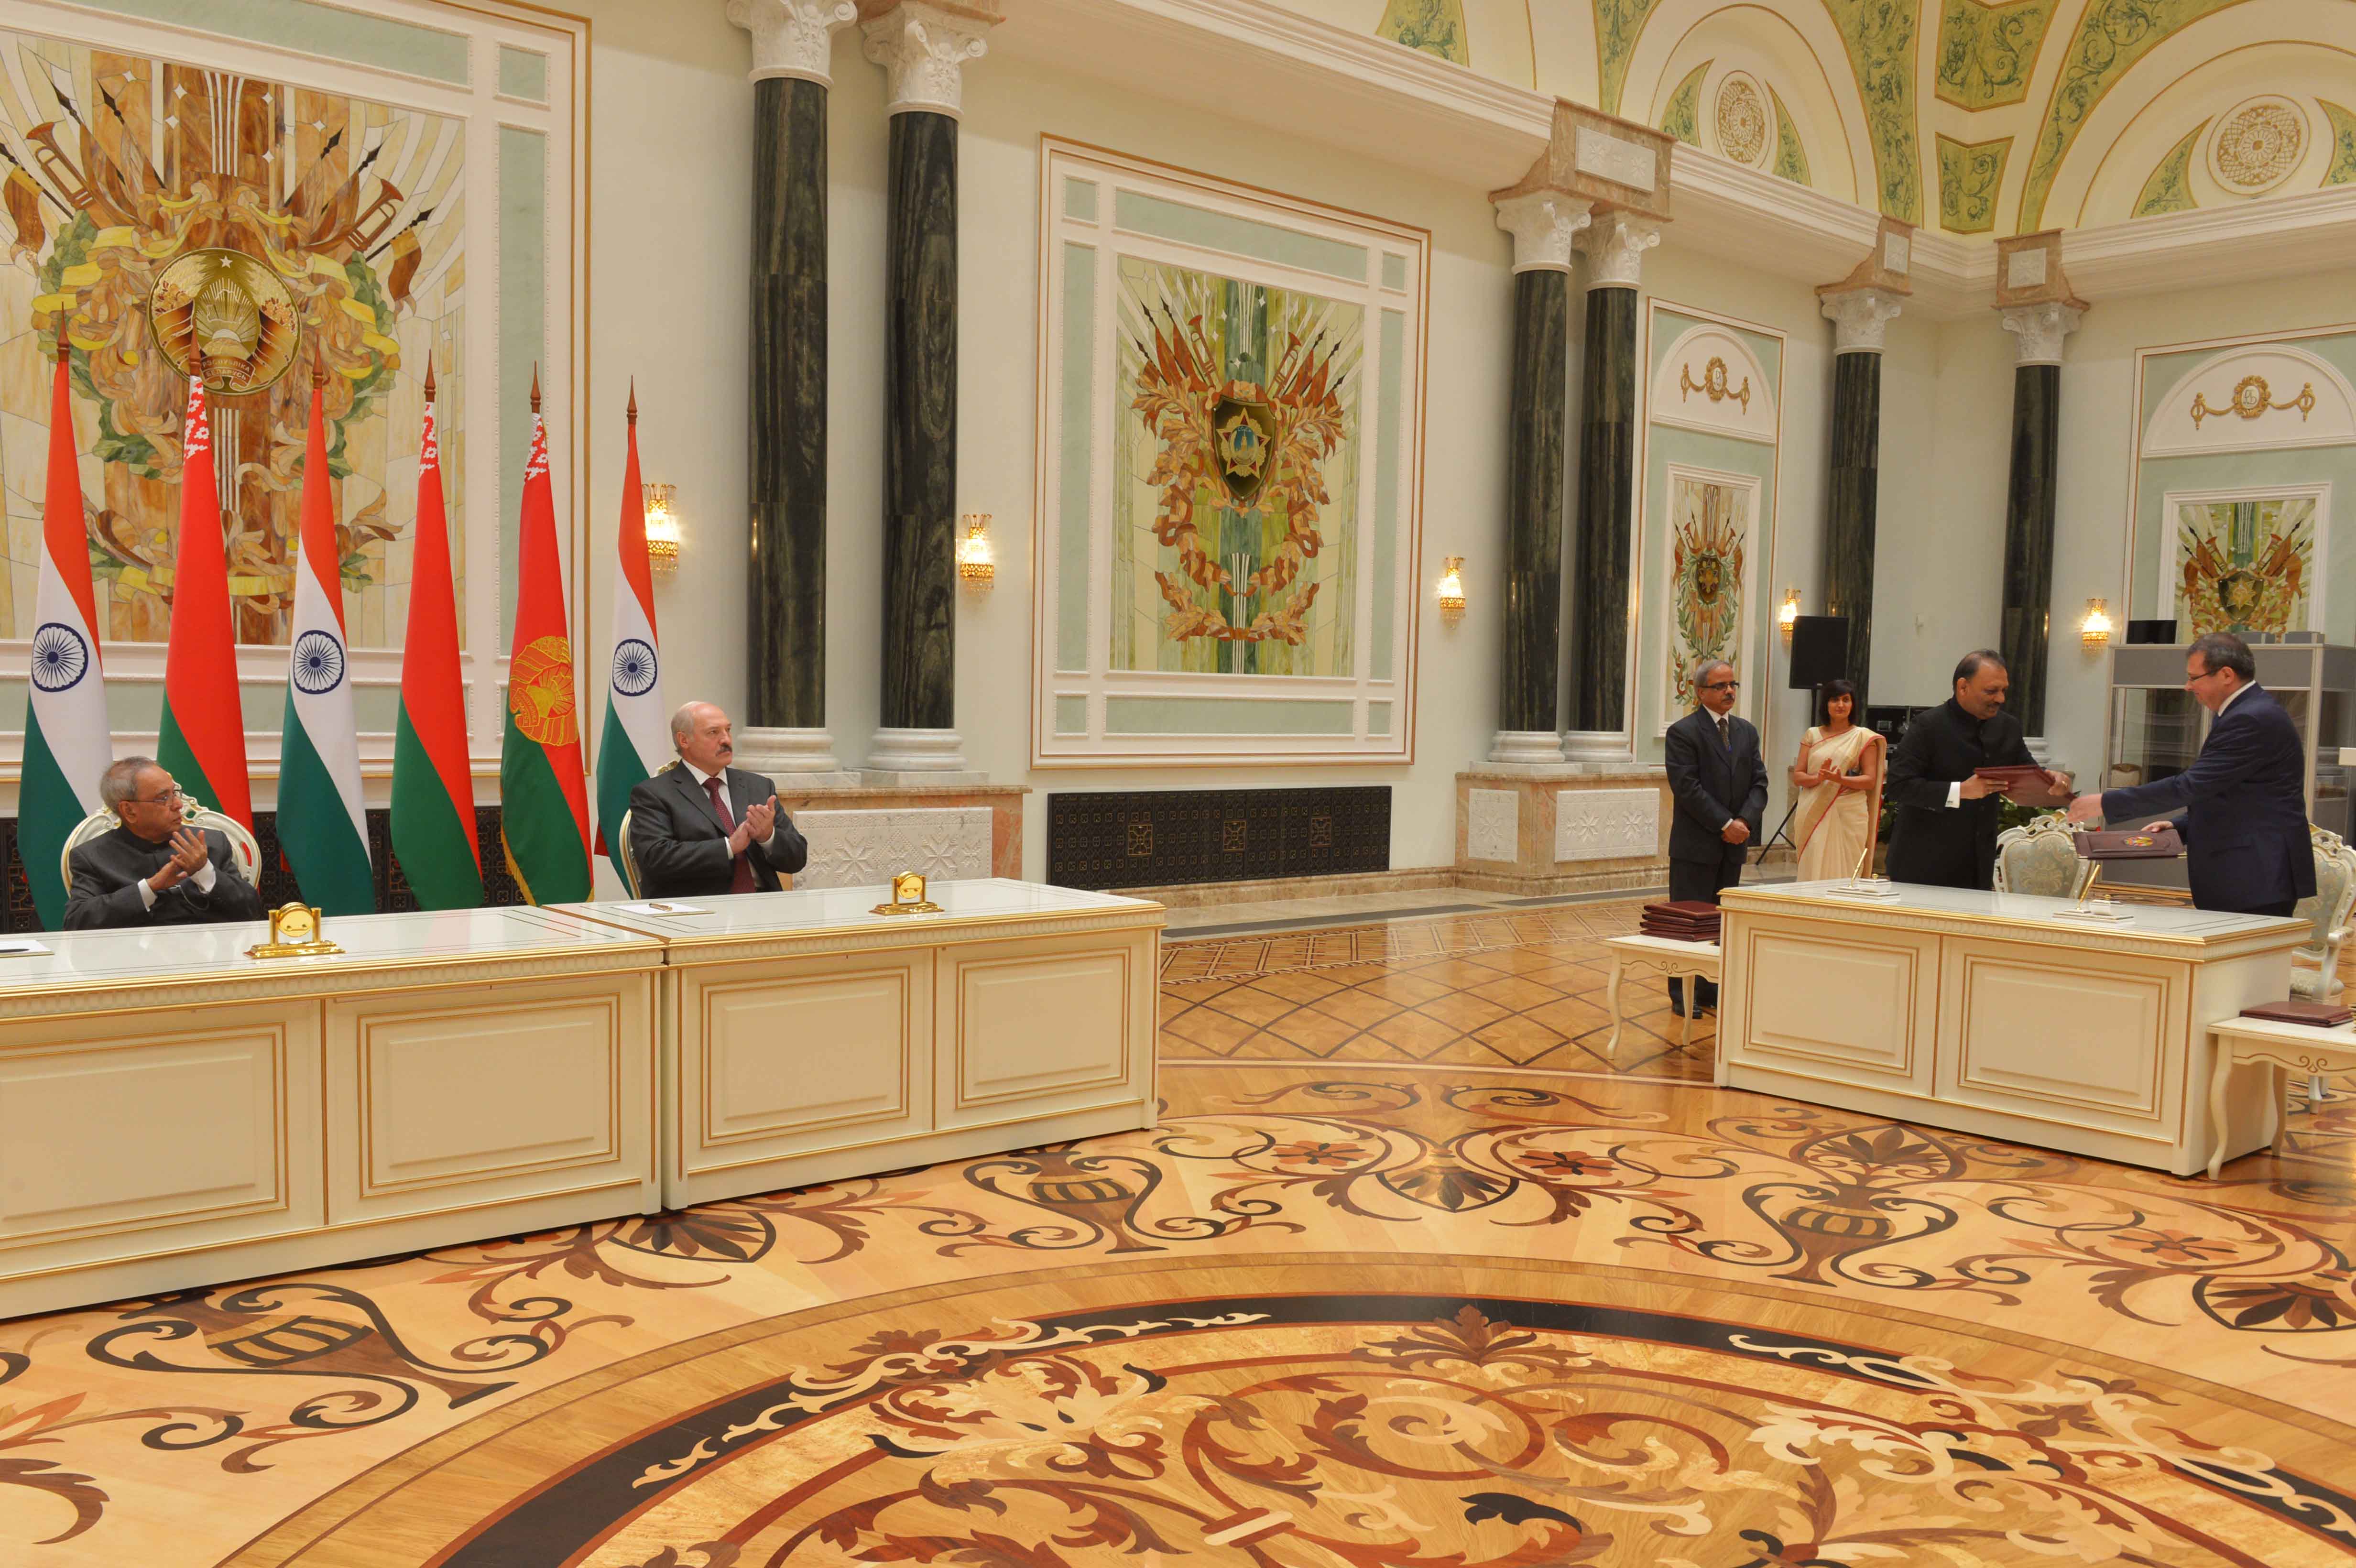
x: 1713, y: 384
x: 1741, y: 116
x: 2251, y: 396
x: 225, y: 317
x: 2257, y: 145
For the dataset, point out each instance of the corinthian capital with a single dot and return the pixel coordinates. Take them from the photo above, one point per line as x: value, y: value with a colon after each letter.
x: 1857, y: 316
x: 793, y: 37
x: 1616, y: 246
x: 2038, y: 330
x: 923, y: 46
x: 1543, y: 224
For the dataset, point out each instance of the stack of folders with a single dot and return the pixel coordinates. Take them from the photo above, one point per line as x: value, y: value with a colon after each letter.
x: 2316, y: 1015
x: 1688, y: 920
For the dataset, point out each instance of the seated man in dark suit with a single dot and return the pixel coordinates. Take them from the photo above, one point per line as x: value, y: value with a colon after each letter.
x: 2242, y: 805
x: 154, y: 870
x: 1719, y: 782
x: 703, y: 828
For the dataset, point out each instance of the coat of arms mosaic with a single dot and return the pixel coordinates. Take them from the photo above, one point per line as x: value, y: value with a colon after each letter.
x: 1710, y: 524
x: 174, y: 220
x: 2244, y: 566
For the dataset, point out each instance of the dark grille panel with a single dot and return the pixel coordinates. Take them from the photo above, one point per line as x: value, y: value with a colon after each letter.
x: 1141, y: 838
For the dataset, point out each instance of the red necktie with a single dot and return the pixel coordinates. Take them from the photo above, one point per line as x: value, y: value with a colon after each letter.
x: 740, y: 876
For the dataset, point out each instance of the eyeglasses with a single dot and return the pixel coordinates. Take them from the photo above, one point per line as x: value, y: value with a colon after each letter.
x: 1723, y: 686
x: 2204, y: 675
x: 175, y: 792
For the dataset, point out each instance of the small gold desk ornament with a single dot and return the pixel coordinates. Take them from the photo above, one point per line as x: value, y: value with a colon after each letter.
x: 293, y: 934
x: 908, y: 897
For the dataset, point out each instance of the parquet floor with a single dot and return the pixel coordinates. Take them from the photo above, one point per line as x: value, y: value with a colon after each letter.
x: 1409, y: 1275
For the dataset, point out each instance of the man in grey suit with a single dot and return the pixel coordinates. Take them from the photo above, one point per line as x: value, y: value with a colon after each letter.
x: 154, y: 869
x: 1719, y: 783
x: 703, y: 828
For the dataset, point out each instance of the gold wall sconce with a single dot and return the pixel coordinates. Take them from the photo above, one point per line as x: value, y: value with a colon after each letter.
x: 2095, y: 630
x: 1452, y: 587
x: 1789, y: 615
x: 662, y: 526
x: 975, y: 566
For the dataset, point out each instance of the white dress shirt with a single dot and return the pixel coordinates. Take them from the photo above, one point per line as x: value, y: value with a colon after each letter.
x: 202, y: 876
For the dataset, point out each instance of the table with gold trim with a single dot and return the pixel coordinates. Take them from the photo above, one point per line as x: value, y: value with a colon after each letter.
x: 1999, y: 1014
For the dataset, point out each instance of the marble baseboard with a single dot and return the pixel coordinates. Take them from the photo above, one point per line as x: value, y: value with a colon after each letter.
x: 1635, y: 877
x: 1200, y: 895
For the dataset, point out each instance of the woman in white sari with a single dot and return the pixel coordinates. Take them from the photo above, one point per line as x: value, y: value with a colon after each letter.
x: 1838, y: 776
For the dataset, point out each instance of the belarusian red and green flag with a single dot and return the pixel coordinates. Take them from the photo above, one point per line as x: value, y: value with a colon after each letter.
x: 544, y: 788
x: 432, y: 784
x: 634, y: 740
x: 203, y: 740
x: 321, y: 825
x: 66, y: 742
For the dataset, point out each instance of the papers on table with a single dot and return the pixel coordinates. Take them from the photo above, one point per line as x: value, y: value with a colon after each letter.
x: 16, y: 947
x: 658, y: 907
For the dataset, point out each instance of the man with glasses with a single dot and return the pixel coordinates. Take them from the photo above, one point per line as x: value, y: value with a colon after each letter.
x: 154, y: 869
x: 1948, y: 815
x: 2242, y: 805
x: 1719, y: 782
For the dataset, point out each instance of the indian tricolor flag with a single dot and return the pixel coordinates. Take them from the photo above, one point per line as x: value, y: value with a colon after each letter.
x: 433, y: 781
x: 322, y: 826
x: 203, y: 740
x: 634, y: 740
x: 543, y: 789
x: 67, y: 745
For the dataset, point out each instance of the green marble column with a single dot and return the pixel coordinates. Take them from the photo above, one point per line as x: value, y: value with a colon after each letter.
x: 920, y: 425
x: 1530, y: 675
x: 2029, y: 538
x: 1852, y: 503
x: 1607, y: 471
x: 786, y: 629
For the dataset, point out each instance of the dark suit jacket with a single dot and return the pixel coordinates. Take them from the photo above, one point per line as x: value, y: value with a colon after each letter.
x: 2242, y: 805
x: 1948, y: 849
x: 1713, y: 783
x: 108, y: 869
x: 682, y: 850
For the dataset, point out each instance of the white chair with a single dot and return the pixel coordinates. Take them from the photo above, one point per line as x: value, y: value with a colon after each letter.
x: 2043, y: 857
x: 629, y: 856
x: 2328, y: 910
x: 242, y: 848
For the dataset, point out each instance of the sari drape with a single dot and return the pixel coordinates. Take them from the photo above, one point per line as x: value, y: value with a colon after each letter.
x: 1836, y: 826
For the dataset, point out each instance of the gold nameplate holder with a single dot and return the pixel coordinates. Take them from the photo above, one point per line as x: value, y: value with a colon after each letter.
x: 293, y: 934
x: 908, y: 897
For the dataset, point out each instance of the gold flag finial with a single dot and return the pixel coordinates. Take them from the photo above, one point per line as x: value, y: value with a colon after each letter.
x: 429, y: 377
x: 535, y: 387
x: 634, y: 400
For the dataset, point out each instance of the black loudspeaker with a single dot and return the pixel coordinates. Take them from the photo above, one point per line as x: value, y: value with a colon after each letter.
x: 2151, y: 631
x: 1819, y: 650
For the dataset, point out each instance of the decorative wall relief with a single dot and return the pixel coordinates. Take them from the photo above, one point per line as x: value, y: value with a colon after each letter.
x: 1710, y: 523
x: 2252, y: 399
x: 2264, y: 396
x: 1229, y: 461
x: 2247, y: 564
x: 1606, y: 824
x: 2257, y: 145
x: 1713, y: 384
x: 861, y: 849
x: 1740, y: 118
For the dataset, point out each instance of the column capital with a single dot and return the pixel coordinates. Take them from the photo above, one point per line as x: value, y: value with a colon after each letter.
x: 2038, y: 329
x: 1858, y: 316
x: 793, y: 37
x: 1543, y: 224
x: 1615, y: 243
x: 923, y: 46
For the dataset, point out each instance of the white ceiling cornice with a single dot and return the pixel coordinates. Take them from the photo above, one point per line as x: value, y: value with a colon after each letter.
x: 1311, y: 79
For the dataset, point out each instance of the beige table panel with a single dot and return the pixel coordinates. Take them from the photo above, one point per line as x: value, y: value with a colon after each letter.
x: 145, y: 1135
x: 1882, y: 1033
x: 1053, y: 1025
x: 531, y: 1105
x: 795, y: 1057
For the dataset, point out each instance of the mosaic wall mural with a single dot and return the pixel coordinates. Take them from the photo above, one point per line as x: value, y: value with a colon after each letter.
x: 1236, y: 480
x: 343, y: 224
x: 1709, y: 524
x: 2245, y: 566
x: 1230, y: 471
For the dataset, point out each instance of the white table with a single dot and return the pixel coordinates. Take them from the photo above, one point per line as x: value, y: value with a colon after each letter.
x: 805, y: 1038
x: 2283, y: 1047
x: 1671, y: 958
x: 174, y: 1113
x: 1997, y: 1014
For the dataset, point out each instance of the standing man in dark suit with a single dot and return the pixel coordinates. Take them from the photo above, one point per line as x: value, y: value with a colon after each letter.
x: 2242, y: 805
x: 1719, y: 783
x: 154, y: 869
x: 1947, y: 816
x: 703, y: 828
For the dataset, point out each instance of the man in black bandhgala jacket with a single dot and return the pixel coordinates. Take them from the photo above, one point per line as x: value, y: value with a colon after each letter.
x: 1947, y: 817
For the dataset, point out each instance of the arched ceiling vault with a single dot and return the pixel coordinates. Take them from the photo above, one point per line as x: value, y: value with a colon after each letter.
x: 1971, y: 116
